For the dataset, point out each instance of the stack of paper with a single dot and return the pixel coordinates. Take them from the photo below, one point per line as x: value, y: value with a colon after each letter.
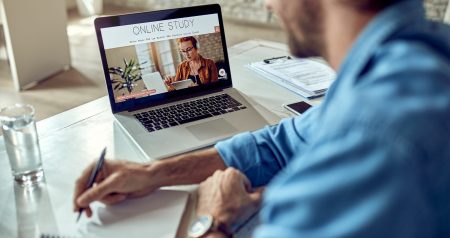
x: 308, y: 78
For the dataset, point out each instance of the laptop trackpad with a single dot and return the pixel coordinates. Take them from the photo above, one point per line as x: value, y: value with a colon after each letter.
x: 211, y: 129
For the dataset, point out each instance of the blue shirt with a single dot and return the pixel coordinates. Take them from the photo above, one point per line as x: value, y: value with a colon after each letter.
x: 373, y: 160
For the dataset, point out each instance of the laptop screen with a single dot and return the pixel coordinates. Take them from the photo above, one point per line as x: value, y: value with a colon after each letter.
x: 154, y: 60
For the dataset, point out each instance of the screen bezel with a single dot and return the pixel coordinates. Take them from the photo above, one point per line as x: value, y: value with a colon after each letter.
x: 135, y: 18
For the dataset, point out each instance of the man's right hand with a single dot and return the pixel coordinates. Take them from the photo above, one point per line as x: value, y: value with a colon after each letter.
x: 117, y: 181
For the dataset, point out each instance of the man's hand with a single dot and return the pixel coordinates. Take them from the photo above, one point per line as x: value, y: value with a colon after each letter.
x: 117, y: 181
x: 229, y: 198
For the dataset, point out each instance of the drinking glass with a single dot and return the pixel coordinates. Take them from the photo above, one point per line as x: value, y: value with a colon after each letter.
x: 22, y: 143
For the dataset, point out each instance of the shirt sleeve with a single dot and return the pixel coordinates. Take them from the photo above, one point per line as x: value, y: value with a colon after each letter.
x: 263, y: 153
x: 353, y: 184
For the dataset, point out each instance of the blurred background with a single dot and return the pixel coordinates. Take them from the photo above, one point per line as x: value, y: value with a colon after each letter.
x: 83, y: 81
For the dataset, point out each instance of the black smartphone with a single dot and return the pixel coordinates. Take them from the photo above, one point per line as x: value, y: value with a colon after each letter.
x: 298, y: 107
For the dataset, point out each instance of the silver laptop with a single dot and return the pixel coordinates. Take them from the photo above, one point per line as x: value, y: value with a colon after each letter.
x: 169, y: 80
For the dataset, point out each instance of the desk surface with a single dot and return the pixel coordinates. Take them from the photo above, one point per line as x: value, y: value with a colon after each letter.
x: 71, y: 140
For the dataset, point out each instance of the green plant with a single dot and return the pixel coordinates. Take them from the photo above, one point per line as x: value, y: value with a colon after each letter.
x: 129, y: 75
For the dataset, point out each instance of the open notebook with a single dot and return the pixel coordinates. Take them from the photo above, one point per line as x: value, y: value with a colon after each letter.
x: 157, y: 215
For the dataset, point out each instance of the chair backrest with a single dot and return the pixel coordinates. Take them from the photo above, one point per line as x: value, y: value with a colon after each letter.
x: 447, y: 14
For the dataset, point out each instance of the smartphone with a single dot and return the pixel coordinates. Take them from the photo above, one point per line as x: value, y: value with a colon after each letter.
x: 298, y: 107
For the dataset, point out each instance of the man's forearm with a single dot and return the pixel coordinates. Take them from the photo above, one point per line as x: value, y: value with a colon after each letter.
x: 188, y: 168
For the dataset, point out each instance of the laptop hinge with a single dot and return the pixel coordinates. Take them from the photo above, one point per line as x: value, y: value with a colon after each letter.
x: 175, y: 99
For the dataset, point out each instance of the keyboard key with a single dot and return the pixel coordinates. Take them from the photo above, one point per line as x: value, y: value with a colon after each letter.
x: 188, y: 112
x: 194, y: 119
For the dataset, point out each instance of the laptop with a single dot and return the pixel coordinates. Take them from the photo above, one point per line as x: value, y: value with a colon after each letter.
x: 169, y: 81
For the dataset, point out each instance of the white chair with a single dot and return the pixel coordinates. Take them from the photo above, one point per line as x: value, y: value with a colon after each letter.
x: 3, y: 54
x: 36, y: 38
x: 447, y: 14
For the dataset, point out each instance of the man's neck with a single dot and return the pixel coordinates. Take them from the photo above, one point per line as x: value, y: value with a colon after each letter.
x: 342, y: 27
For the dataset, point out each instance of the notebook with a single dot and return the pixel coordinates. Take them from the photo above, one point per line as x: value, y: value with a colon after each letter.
x: 157, y: 215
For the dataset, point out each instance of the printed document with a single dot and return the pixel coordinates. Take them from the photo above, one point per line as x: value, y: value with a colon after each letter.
x: 306, y: 77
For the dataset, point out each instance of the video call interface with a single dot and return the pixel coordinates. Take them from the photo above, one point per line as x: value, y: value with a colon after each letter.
x: 164, y: 56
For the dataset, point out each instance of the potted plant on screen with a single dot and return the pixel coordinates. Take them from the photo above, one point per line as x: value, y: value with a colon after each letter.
x: 128, y: 76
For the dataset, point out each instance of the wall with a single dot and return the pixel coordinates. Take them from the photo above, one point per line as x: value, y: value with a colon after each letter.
x: 211, y: 47
x: 249, y: 10
x: 252, y: 10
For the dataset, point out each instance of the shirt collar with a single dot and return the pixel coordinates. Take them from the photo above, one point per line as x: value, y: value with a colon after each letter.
x: 377, y: 31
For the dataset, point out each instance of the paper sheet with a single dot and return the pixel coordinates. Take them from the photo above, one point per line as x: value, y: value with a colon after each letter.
x: 157, y: 215
x: 303, y: 76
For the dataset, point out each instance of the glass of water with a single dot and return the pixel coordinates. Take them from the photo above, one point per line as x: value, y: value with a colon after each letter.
x: 22, y: 143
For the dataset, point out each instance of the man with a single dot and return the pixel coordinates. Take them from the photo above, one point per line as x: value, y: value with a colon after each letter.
x: 372, y: 160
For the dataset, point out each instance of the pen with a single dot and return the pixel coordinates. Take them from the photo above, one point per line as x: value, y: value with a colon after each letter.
x: 268, y: 61
x: 94, y: 174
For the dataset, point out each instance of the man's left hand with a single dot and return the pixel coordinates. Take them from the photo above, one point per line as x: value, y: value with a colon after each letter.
x: 229, y: 198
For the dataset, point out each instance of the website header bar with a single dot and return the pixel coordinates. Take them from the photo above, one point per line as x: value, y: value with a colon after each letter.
x: 120, y: 36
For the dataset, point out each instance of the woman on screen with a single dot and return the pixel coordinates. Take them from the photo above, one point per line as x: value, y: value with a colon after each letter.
x: 196, y: 68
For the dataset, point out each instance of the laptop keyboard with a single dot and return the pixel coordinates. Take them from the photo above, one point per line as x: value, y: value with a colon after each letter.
x: 186, y: 112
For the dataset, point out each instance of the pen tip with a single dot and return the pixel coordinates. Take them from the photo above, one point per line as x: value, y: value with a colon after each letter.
x: 78, y: 218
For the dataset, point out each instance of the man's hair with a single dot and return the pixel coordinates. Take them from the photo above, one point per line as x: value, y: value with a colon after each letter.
x: 189, y: 38
x: 370, y: 5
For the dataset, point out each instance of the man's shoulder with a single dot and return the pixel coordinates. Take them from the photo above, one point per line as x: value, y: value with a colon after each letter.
x: 406, y: 85
x: 412, y: 62
x: 413, y: 55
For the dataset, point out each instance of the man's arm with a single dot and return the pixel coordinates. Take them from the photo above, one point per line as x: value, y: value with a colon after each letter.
x: 190, y: 168
x: 260, y: 155
x: 119, y: 180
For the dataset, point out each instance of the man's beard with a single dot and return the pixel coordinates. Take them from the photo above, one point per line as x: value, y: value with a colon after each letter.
x: 310, y: 25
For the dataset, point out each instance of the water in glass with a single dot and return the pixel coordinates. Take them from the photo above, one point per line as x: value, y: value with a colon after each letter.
x: 22, y: 143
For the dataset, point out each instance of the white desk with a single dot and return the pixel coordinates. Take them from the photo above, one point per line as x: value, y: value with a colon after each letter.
x: 71, y: 140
